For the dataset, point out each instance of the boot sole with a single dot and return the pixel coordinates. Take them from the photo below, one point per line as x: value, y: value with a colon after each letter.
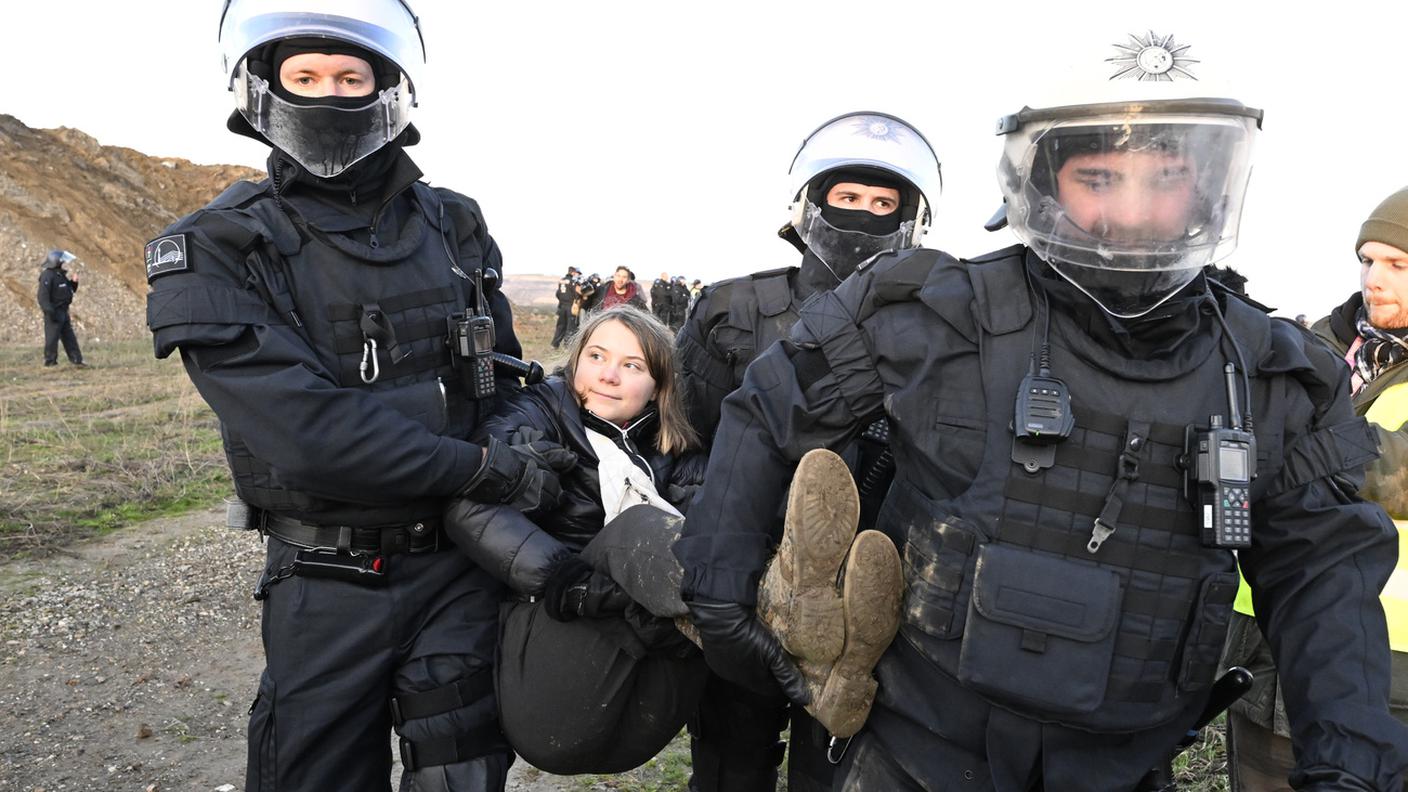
x: 871, y: 596
x: 823, y: 509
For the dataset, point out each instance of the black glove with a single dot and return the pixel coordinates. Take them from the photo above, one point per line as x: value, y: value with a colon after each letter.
x: 574, y: 589
x: 740, y: 649
x: 517, y: 479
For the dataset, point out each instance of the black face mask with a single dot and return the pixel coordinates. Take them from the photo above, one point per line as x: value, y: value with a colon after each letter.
x: 861, y: 220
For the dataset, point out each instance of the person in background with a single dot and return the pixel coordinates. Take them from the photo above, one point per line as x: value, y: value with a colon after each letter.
x: 566, y: 299
x: 622, y: 290
x: 679, y: 303
x: 1369, y: 331
x: 589, y: 294
x: 695, y: 289
x: 56, y: 289
x: 660, y: 299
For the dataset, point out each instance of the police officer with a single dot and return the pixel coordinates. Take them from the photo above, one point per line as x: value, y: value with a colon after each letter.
x: 862, y: 183
x: 56, y: 289
x: 662, y: 298
x: 679, y: 303
x: 566, y: 299
x: 313, y: 312
x: 1066, y: 602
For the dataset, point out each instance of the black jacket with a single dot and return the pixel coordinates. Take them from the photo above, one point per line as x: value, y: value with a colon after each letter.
x: 661, y: 299
x: 731, y: 323
x: 900, y: 339
x: 265, y: 303
x: 566, y: 293
x: 521, y: 551
x: 55, y: 290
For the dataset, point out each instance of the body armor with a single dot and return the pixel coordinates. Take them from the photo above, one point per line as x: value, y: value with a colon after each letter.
x: 362, y: 307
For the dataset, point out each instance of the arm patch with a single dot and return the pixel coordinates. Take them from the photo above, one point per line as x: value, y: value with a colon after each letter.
x: 166, y: 255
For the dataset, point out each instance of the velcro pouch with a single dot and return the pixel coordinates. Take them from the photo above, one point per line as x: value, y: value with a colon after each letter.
x: 1041, y: 631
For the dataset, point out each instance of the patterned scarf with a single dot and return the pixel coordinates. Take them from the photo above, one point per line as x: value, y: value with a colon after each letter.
x: 1381, y: 350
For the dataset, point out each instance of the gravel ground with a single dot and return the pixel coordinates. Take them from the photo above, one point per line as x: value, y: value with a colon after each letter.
x: 128, y: 663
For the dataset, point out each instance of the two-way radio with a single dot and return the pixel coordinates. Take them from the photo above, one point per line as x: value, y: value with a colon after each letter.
x: 1221, y: 464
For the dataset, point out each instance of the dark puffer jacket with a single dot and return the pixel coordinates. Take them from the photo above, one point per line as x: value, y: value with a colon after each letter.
x: 523, y: 550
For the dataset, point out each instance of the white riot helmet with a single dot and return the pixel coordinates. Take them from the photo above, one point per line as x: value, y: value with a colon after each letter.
x: 1131, y: 192
x: 862, y: 143
x: 325, y: 137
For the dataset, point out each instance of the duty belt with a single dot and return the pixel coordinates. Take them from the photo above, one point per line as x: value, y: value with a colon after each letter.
x: 424, y: 536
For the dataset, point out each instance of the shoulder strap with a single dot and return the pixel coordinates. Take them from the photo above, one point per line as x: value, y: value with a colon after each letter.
x: 1001, y: 297
x: 774, y: 293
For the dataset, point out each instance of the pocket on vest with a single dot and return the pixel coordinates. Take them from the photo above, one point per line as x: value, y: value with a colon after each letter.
x: 1041, y: 630
x: 938, y: 559
x: 1207, y: 632
x: 424, y: 402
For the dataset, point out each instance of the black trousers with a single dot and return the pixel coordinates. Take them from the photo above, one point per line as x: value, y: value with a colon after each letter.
x: 603, y: 695
x: 566, y: 325
x: 337, y: 653
x: 57, y: 327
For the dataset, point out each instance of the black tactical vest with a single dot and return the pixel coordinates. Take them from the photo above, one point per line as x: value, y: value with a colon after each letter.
x: 761, y: 309
x: 1003, y: 591
x: 347, y: 295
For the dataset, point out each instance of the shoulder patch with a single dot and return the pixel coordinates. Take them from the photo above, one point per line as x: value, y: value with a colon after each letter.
x: 166, y: 255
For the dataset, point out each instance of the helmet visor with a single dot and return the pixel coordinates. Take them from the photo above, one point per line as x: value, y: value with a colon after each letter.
x: 324, y: 139
x: 1129, y: 208
x: 842, y: 251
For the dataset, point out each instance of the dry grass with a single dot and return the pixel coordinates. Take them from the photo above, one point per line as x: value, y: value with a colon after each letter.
x: 89, y: 450
x: 85, y: 451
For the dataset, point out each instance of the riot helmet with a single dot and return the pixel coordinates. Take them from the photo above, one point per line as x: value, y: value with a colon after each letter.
x: 58, y: 258
x: 866, y: 148
x: 1130, y: 193
x: 326, y: 135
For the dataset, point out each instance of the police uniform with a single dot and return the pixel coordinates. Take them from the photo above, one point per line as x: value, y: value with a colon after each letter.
x: 56, y: 291
x: 315, y: 327
x: 731, y: 324
x: 1026, y: 659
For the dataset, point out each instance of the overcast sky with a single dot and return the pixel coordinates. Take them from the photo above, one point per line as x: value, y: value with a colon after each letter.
x: 658, y: 134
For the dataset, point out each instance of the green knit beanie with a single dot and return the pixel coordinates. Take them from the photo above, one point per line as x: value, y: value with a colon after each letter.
x: 1388, y: 223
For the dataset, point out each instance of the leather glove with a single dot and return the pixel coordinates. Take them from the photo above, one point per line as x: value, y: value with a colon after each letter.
x: 574, y: 590
x: 740, y: 649
x: 517, y: 479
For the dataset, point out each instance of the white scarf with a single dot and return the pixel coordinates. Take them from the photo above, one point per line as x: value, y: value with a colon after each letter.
x: 623, y: 485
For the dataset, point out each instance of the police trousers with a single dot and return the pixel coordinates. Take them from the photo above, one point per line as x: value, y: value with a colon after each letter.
x: 338, y: 652
x: 58, y: 327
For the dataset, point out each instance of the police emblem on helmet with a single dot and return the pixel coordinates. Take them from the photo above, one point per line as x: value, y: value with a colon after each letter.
x: 877, y: 128
x: 1152, y: 57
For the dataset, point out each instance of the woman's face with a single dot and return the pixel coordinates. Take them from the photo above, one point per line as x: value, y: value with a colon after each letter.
x: 1383, y: 277
x: 612, y: 379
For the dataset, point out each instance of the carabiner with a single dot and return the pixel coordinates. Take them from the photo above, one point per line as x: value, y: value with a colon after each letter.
x: 369, y: 354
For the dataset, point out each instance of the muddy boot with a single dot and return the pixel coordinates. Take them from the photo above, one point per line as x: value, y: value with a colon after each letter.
x: 798, y: 599
x: 871, y: 593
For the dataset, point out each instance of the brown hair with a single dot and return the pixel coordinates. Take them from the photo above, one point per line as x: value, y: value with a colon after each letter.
x: 675, y: 435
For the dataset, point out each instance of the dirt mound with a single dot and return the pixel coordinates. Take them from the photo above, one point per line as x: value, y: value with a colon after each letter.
x: 60, y: 189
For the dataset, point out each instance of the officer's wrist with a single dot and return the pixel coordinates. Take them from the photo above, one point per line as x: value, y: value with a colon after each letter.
x: 499, y: 477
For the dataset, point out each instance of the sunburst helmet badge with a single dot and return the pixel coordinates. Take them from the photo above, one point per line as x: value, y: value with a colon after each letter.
x: 1152, y: 57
